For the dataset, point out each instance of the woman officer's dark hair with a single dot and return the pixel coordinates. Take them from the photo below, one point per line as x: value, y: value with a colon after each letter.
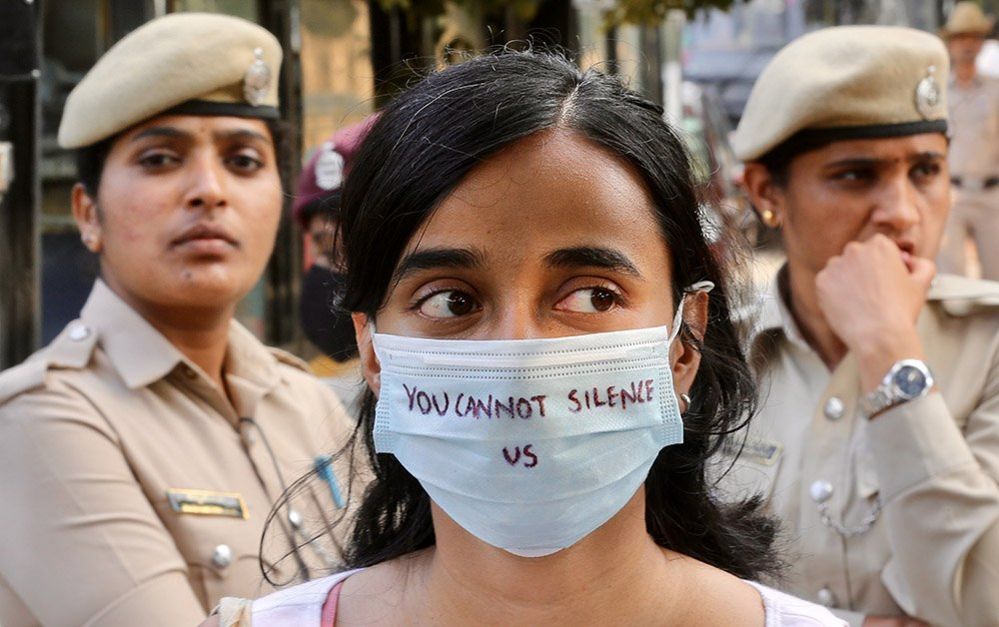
x: 420, y: 149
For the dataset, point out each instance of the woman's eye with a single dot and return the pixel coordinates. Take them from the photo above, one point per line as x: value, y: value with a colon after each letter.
x: 448, y: 304
x: 926, y: 170
x: 158, y: 160
x: 245, y: 163
x: 589, y: 300
x: 852, y: 175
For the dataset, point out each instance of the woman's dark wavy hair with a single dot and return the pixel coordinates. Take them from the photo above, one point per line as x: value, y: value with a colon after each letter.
x: 420, y: 149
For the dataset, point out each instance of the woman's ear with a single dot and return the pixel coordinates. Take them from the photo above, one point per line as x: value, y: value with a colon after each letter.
x: 764, y: 193
x: 370, y: 367
x: 85, y: 213
x: 687, y: 358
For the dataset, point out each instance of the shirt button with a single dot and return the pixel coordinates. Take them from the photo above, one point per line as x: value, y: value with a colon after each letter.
x: 834, y: 408
x: 826, y: 597
x: 79, y: 332
x: 222, y: 556
x: 820, y: 491
x: 295, y: 518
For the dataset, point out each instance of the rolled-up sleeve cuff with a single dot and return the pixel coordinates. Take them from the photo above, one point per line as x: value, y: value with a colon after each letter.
x: 913, y: 442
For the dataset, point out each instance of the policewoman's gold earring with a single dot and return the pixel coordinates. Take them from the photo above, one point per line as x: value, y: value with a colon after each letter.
x: 92, y: 242
x: 770, y: 219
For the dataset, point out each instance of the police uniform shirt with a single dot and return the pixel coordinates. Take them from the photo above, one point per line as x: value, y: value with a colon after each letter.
x: 134, y: 492
x: 913, y: 492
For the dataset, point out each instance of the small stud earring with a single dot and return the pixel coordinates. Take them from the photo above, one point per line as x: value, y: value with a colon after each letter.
x: 90, y: 241
x: 770, y: 219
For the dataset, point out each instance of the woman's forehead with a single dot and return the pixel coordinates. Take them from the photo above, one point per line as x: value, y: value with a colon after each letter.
x: 550, y: 191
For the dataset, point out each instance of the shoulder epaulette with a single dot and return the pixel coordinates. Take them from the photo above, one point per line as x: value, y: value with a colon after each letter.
x: 71, y: 349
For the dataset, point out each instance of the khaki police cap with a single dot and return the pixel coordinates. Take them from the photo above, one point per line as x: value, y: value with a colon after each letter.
x: 967, y: 18
x: 185, y: 63
x: 846, y: 82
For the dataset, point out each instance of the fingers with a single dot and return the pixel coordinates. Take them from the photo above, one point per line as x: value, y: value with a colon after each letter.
x: 922, y: 271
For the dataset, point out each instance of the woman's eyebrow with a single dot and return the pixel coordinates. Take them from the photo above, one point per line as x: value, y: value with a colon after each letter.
x: 592, y: 256
x: 237, y: 134
x: 430, y: 258
x: 161, y: 131
x: 867, y: 162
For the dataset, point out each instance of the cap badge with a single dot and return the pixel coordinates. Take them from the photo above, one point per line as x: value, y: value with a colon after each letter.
x: 928, y: 94
x: 329, y: 168
x: 257, y: 81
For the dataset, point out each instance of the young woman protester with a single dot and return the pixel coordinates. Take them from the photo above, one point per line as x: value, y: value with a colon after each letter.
x: 141, y: 451
x: 549, y: 370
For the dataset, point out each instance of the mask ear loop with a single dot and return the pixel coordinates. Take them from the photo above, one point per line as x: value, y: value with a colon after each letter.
x: 700, y: 286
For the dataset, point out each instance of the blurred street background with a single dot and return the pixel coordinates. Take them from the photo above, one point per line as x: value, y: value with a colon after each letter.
x: 345, y: 59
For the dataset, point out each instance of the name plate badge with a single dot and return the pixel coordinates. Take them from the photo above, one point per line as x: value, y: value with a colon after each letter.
x: 207, y: 503
x: 762, y: 452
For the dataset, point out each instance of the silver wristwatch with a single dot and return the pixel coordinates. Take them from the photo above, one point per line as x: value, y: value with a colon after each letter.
x: 907, y: 379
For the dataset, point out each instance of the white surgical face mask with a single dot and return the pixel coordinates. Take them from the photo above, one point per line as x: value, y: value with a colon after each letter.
x: 529, y: 445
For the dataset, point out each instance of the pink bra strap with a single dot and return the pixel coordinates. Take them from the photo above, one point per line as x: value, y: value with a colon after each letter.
x: 329, y: 607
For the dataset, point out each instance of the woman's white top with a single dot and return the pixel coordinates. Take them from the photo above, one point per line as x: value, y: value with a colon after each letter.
x: 784, y: 610
x: 302, y: 605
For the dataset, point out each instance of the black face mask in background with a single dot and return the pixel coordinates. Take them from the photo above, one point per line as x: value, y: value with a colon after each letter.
x: 330, y: 329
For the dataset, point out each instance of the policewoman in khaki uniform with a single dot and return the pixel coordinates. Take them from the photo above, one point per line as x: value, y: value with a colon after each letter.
x: 878, y: 438
x: 142, y: 450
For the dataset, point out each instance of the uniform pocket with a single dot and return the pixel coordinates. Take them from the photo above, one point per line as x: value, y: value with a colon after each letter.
x: 223, y: 555
x: 220, y: 552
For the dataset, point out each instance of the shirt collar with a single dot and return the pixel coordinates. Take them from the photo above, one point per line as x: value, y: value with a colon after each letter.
x: 139, y: 352
x: 773, y: 313
x: 142, y: 356
x: 247, y: 359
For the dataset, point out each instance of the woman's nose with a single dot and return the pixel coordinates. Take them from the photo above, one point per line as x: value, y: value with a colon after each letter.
x: 517, y: 320
x: 897, y: 206
x: 206, y: 185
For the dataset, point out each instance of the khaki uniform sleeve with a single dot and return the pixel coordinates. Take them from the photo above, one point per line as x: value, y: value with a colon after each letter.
x: 941, y: 505
x: 82, y: 543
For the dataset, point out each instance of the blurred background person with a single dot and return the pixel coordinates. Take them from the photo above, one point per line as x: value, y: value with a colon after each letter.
x: 317, y: 211
x: 973, y: 102
x: 142, y: 450
x: 878, y: 439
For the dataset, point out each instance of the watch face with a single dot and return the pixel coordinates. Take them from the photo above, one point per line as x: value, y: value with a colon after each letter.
x: 910, y: 381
